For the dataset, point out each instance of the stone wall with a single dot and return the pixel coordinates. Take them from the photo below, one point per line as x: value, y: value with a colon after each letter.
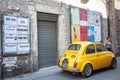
x: 117, y: 22
x: 30, y: 8
x: 104, y: 29
x: 118, y: 30
x: 112, y: 26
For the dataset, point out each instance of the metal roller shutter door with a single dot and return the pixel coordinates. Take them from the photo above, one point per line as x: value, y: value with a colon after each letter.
x: 47, y: 43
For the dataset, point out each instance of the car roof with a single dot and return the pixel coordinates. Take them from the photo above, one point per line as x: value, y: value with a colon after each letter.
x: 86, y: 43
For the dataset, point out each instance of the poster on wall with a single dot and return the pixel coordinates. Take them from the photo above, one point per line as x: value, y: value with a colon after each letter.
x: 10, y: 20
x: 22, y: 30
x: 23, y: 48
x: 15, y: 34
x: 83, y: 17
x: 23, y: 21
x: 10, y: 38
x: 97, y: 32
x: 22, y: 38
x: 13, y: 5
x: 83, y: 33
x: 75, y: 16
x: 91, y: 35
x: 10, y: 48
x: 75, y: 33
x: 9, y: 61
x: 91, y: 17
x: 98, y: 19
x: 9, y: 29
x: 88, y: 20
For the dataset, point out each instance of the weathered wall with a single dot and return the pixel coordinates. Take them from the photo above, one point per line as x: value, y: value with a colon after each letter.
x: 117, y: 19
x: 30, y: 8
x: 0, y: 53
x: 23, y: 62
x: 117, y: 22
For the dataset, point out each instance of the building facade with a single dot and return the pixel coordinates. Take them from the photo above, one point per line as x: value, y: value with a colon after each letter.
x: 117, y: 27
x: 49, y: 31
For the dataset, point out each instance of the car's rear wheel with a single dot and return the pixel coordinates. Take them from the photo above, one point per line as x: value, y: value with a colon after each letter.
x: 87, y: 70
x: 113, y: 64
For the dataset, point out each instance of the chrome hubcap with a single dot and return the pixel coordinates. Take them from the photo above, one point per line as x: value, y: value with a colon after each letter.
x: 88, y: 70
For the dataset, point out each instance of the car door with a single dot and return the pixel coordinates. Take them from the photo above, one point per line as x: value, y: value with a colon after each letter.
x: 92, y: 56
x: 102, y: 55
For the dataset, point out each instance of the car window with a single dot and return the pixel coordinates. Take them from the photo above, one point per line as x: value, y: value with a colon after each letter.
x: 90, y: 49
x: 100, y: 48
x: 74, y: 47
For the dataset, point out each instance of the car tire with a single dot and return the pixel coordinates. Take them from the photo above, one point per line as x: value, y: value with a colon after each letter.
x: 64, y: 70
x: 87, y: 72
x: 113, y: 64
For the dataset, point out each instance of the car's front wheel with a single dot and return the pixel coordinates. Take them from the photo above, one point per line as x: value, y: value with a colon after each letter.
x: 87, y: 70
x: 113, y: 64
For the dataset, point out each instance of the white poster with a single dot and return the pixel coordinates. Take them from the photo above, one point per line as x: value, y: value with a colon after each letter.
x: 22, y: 38
x: 75, y: 16
x: 10, y: 38
x: 97, y: 32
x: 83, y: 23
x: 15, y: 35
x: 9, y: 29
x: 9, y: 48
x: 98, y: 19
x: 91, y: 17
x: 10, y: 20
x: 9, y: 61
x: 23, y: 48
x: 23, y: 21
x: 22, y: 30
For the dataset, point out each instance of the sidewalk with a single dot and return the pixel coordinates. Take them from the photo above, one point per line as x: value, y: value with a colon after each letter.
x: 38, y: 74
x: 45, y: 72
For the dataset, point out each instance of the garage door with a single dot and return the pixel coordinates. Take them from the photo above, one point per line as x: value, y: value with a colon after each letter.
x: 47, y: 43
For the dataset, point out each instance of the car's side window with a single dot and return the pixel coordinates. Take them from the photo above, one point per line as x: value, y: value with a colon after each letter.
x: 90, y: 49
x: 100, y: 48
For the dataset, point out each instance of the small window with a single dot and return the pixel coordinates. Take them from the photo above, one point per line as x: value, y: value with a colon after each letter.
x: 74, y: 47
x: 90, y: 49
x: 100, y: 48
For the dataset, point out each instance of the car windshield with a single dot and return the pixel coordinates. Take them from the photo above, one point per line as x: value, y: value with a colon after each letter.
x: 74, y: 47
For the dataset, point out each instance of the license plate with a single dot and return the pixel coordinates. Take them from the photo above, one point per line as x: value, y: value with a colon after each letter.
x: 65, y: 63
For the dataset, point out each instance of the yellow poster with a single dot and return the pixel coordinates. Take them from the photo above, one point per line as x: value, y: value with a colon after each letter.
x: 75, y: 33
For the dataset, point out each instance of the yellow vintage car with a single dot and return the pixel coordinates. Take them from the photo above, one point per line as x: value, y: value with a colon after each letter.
x: 85, y: 57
